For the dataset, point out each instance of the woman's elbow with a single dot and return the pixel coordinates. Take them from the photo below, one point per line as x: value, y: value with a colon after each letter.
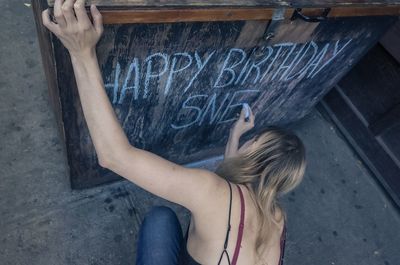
x: 103, y: 161
x: 111, y: 159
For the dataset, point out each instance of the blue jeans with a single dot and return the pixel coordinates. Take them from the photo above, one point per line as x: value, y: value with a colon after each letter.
x: 160, y: 238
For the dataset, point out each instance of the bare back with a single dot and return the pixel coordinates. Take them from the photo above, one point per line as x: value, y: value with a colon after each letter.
x: 207, y: 232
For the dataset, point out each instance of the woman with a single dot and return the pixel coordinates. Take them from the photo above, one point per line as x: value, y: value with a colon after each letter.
x: 235, y: 217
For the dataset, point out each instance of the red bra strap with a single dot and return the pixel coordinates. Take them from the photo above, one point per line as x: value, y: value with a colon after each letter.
x: 241, y: 227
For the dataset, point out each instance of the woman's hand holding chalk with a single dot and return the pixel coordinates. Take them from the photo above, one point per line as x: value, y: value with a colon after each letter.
x: 245, y: 121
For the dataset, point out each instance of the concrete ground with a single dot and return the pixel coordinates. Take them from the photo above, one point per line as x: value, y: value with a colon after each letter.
x: 339, y: 215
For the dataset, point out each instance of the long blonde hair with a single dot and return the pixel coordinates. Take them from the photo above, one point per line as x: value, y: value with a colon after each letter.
x: 275, y: 167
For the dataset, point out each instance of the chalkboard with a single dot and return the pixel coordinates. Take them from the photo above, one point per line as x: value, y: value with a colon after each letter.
x: 176, y: 87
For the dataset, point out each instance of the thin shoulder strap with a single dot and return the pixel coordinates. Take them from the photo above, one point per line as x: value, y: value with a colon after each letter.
x: 283, y: 241
x: 229, y: 228
x: 241, y: 228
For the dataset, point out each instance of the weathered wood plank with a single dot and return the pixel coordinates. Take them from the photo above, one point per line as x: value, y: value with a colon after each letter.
x: 185, y: 15
x: 393, y: 10
x: 364, y: 142
x: 368, y: 85
x: 127, y: 16
x: 48, y: 61
x: 386, y: 122
x: 390, y: 139
x: 365, y: 106
x: 216, y: 3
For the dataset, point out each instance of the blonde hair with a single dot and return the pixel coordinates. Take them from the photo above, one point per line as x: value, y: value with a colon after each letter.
x: 275, y: 167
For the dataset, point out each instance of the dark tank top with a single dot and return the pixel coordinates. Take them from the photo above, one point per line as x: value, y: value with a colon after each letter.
x: 186, y: 259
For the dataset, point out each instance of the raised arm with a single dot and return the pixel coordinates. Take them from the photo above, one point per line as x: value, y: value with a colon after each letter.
x: 185, y: 186
x: 232, y: 145
x: 237, y: 130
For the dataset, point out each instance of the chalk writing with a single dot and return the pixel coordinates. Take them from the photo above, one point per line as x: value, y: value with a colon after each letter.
x: 149, y: 72
x: 133, y: 67
x: 229, y: 69
x: 174, y: 70
x: 207, y: 108
x: 229, y: 73
x: 200, y: 66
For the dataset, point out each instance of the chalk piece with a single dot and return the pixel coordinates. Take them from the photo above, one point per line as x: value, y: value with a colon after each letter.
x: 247, y: 112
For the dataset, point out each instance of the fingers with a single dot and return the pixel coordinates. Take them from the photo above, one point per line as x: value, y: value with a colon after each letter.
x: 248, y: 117
x: 97, y: 19
x: 68, y: 12
x: 59, y: 16
x: 252, y: 116
x: 241, y: 115
x: 53, y: 27
x: 243, y: 112
x: 64, y: 12
x: 248, y: 112
x: 81, y: 15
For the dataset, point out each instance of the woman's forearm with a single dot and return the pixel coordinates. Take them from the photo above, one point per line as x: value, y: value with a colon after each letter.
x: 105, y: 130
x: 232, y: 146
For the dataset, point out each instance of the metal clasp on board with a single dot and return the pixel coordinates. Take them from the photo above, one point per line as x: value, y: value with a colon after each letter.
x: 297, y: 14
x: 277, y: 16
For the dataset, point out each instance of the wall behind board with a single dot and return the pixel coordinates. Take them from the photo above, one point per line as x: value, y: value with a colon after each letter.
x: 176, y: 88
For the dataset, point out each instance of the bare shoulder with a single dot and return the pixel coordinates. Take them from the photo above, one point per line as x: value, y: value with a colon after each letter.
x: 214, y: 189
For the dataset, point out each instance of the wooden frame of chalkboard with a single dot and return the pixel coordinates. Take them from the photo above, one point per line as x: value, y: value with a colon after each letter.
x: 231, y: 14
x: 204, y: 13
x: 235, y: 3
x: 205, y: 42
